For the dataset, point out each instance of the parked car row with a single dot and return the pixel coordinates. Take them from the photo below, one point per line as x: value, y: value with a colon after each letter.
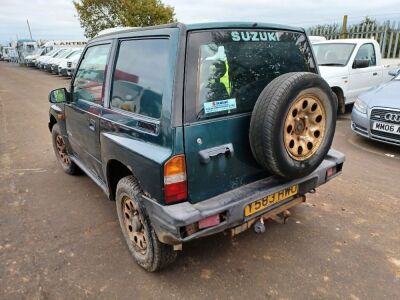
x: 60, y: 61
x: 58, y: 58
x: 30, y: 60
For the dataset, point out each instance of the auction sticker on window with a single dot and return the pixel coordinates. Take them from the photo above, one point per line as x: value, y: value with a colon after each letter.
x: 386, y: 127
x: 220, y: 105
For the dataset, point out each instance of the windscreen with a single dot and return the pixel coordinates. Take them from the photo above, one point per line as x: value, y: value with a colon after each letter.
x: 333, y: 54
x: 38, y: 51
x: 74, y: 53
x: 50, y: 53
x: 234, y: 66
x: 66, y: 53
x: 59, y: 53
x: 30, y: 48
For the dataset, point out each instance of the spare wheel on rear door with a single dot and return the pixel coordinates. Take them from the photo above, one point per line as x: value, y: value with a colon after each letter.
x: 292, y: 124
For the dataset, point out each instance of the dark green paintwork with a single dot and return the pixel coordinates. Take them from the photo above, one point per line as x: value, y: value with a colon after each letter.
x: 122, y: 137
x: 222, y: 173
x: 216, y: 25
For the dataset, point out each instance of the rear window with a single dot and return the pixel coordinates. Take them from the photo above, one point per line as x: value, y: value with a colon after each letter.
x: 228, y: 69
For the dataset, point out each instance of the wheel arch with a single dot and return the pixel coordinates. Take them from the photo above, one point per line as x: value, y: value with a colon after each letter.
x: 52, y: 122
x: 115, y: 171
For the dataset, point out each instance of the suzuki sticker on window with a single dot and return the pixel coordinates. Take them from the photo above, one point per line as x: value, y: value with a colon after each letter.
x: 220, y: 105
x: 254, y: 36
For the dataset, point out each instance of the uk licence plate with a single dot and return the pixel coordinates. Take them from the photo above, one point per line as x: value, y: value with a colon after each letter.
x: 386, y: 127
x: 269, y: 200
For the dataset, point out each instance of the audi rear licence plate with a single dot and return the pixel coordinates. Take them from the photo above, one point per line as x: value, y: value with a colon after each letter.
x: 386, y: 127
x: 269, y: 200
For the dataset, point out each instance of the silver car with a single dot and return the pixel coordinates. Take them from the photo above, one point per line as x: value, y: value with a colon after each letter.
x: 376, y: 113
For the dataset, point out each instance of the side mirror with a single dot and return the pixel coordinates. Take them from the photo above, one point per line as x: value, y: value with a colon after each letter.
x: 394, y: 72
x: 59, y: 96
x: 360, y: 63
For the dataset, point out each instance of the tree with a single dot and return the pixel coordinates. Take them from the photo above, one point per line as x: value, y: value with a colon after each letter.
x: 332, y: 28
x: 368, y: 21
x: 96, y: 15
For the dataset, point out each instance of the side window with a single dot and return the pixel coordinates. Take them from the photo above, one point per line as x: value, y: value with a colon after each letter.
x: 367, y: 52
x: 89, y: 80
x: 140, y: 75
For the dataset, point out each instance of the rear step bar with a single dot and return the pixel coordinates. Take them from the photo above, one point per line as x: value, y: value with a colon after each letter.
x: 272, y: 214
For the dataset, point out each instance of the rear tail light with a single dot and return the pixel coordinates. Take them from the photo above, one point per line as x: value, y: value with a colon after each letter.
x: 333, y: 171
x: 209, y: 221
x: 330, y: 172
x: 175, y: 184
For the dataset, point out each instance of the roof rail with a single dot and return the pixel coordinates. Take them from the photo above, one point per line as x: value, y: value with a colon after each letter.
x: 113, y: 30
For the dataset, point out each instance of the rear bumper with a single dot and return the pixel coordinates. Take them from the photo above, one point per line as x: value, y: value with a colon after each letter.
x: 170, y: 221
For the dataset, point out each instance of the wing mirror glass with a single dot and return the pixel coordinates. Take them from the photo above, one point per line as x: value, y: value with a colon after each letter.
x: 59, y: 96
x: 360, y: 63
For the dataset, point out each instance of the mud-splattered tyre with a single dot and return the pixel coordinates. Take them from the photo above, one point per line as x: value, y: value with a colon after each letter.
x: 142, y: 241
x: 62, y: 155
x: 292, y: 124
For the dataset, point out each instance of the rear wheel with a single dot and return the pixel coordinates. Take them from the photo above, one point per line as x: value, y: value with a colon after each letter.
x: 137, y: 230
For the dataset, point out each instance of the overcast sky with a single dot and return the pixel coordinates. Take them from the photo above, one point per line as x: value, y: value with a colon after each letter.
x: 56, y: 19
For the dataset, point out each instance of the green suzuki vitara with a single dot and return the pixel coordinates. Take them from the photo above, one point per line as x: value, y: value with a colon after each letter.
x: 197, y: 129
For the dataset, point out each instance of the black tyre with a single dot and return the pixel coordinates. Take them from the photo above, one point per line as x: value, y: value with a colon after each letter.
x: 140, y: 236
x: 292, y: 124
x: 61, y: 152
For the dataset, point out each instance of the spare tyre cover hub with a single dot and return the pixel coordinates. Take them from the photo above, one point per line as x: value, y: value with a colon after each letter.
x: 304, y: 127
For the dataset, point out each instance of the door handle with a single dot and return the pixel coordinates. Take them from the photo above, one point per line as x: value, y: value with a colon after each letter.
x: 92, y: 124
x: 375, y: 73
x: 206, y: 154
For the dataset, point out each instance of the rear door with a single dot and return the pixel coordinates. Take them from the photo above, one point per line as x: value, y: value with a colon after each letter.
x: 84, y: 111
x: 226, y: 70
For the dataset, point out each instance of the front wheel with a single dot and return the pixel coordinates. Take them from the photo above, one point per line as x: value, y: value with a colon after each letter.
x: 60, y: 150
x: 148, y: 251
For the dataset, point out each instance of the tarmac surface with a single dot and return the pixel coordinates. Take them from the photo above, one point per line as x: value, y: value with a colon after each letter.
x: 60, y: 237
